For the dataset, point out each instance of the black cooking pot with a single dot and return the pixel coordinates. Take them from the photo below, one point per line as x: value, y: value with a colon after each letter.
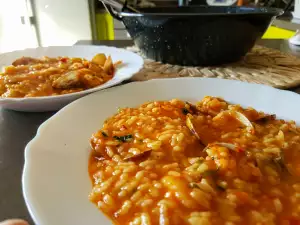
x: 197, y: 35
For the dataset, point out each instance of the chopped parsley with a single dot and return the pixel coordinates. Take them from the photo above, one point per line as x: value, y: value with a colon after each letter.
x: 104, y: 134
x: 185, y: 111
x: 124, y: 138
x: 194, y: 185
x: 209, y: 173
x: 219, y: 187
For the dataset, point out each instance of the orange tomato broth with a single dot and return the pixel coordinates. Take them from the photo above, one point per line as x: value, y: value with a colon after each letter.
x: 30, y: 77
x: 258, y: 189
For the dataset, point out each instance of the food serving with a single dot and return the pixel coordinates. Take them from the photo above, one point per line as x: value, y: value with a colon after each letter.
x: 33, y: 77
x: 172, y: 162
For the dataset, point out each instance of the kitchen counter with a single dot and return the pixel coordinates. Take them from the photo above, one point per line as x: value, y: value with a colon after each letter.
x: 18, y: 128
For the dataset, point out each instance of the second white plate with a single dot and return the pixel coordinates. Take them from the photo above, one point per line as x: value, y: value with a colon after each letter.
x: 132, y: 63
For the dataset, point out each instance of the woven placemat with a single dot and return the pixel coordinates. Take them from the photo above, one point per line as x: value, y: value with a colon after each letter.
x: 261, y: 65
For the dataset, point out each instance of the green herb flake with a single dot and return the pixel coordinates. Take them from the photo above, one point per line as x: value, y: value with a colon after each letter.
x: 104, y: 134
x: 220, y: 188
x: 194, y: 185
x: 185, y: 111
x: 117, y: 138
x: 124, y: 138
x: 209, y: 173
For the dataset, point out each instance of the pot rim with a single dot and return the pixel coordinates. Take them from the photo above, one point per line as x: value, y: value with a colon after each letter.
x: 240, y: 11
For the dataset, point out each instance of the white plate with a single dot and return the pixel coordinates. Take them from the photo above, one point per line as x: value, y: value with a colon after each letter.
x: 55, y: 178
x: 132, y: 63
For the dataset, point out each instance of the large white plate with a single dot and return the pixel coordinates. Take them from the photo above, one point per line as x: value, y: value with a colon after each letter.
x: 132, y: 63
x: 55, y: 179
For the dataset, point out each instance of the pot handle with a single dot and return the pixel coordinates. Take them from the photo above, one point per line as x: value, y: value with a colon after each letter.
x: 112, y: 12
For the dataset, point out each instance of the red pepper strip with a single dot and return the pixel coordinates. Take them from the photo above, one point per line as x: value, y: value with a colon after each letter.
x: 294, y: 221
x: 123, y: 127
x: 240, y: 150
x: 64, y: 60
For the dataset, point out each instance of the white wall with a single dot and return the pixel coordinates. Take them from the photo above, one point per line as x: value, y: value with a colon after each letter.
x: 63, y: 22
x: 13, y: 34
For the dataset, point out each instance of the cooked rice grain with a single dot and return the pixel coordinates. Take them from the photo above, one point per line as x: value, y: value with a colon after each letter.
x: 148, y: 168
